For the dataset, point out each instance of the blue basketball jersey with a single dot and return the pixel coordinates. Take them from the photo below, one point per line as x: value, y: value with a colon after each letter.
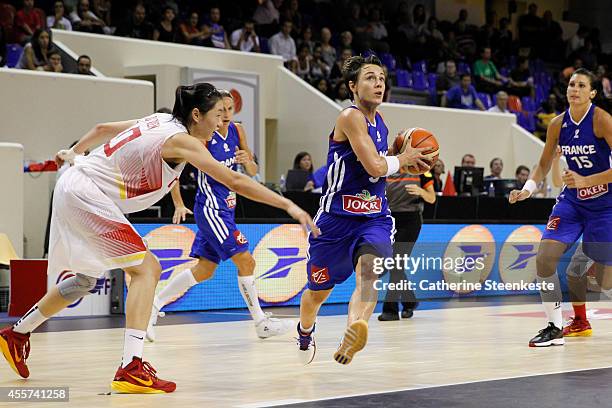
x: 348, y: 189
x: 211, y: 193
x: 586, y: 154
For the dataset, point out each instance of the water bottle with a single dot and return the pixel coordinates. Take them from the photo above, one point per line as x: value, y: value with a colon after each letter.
x: 283, y: 183
x: 491, y: 190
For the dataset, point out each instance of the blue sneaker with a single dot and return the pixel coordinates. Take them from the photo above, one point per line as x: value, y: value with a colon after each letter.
x: 307, y: 344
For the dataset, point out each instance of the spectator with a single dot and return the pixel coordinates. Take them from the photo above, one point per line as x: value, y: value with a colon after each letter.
x: 586, y: 54
x: 166, y: 29
x: 419, y: 18
x: 551, y: 46
x: 346, y: 41
x: 245, y: 38
x: 219, y: 37
x: 487, y: 77
x: 328, y: 53
x: 462, y: 18
x: 466, y: 43
x: 318, y: 67
x: 306, y: 40
x: 438, y: 171
x: 266, y: 16
x: 468, y: 160
x: 137, y: 26
x: 530, y: 27
x: 58, y: 20
x: 522, y: 175
x: 501, y: 103
x: 605, y: 82
x: 83, y: 19
x: 545, y: 115
x: 55, y: 61
x: 35, y: 54
x: 376, y: 32
x: 449, y: 78
x: 577, y: 40
x: 521, y: 81
x: 191, y: 31
x: 355, y: 22
x: 433, y: 35
x: 282, y: 44
x: 303, y: 68
x: 290, y: 11
x: 335, y: 75
x: 322, y: 86
x: 28, y: 20
x: 84, y: 65
x: 462, y: 96
x: 102, y: 9
x: 496, y: 166
x: 303, y: 161
x: 2, y: 47
x: 501, y: 41
x: 342, y: 95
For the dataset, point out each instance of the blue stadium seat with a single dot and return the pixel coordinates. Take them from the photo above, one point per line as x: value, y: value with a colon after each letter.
x: 263, y: 44
x: 463, y: 68
x: 529, y: 104
x: 404, y: 78
x: 485, y: 98
x: 389, y: 61
x: 13, y: 53
x: 432, y: 79
x: 420, y: 66
x: 419, y: 81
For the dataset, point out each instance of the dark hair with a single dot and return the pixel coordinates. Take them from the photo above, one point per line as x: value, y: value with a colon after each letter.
x: 595, y: 83
x: 225, y: 93
x: 298, y: 159
x: 493, y: 161
x: 352, y: 68
x: 83, y: 56
x: 36, y: 45
x: 53, y: 52
x: 521, y: 168
x: 468, y: 155
x: 202, y: 96
x: 163, y: 110
x: 465, y: 74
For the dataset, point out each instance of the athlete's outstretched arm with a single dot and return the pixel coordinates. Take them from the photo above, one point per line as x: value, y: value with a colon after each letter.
x: 244, y: 156
x: 101, y: 133
x: 545, y: 163
x: 180, y: 211
x: 182, y: 147
x: 352, y: 125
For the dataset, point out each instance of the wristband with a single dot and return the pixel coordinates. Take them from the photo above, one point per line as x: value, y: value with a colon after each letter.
x: 530, y: 186
x: 393, y: 165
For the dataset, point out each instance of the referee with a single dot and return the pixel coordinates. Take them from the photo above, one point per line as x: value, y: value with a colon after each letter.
x: 406, y: 194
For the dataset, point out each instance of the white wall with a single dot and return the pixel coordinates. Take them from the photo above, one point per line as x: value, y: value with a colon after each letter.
x: 484, y: 134
x: 113, y: 55
x: 11, y: 202
x: 305, y: 119
x: 49, y: 111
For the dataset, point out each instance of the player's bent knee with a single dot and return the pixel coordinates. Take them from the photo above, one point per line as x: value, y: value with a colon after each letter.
x: 76, y: 287
x: 203, y: 271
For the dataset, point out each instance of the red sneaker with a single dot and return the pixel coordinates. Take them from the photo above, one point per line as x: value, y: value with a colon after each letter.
x: 16, y: 349
x: 139, y: 377
x: 577, y: 328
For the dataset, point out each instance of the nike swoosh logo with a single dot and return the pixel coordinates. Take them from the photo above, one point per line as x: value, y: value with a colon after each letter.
x: 146, y: 383
x: 17, y: 358
x: 136, y: 337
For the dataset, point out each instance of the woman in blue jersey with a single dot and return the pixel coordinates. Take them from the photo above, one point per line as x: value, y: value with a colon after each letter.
x: 584, y: 207
x: 356, y: 224
x: 218, y: 237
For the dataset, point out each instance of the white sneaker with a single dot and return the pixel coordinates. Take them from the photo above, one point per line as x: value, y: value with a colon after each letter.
x: 271, y: 326
x: 150, y: 335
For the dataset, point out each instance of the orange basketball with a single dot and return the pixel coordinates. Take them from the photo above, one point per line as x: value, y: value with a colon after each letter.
x: 418, y: 137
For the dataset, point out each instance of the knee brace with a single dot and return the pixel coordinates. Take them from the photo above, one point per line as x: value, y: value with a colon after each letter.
x: 76, y: 287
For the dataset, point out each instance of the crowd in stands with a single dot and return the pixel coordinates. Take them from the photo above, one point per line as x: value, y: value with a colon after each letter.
x: 456, y: 64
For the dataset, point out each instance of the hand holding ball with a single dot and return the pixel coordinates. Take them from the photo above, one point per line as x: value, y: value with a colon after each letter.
x: 427, y: 145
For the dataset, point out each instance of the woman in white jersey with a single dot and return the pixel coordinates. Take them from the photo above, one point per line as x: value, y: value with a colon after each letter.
x: 135, y: 164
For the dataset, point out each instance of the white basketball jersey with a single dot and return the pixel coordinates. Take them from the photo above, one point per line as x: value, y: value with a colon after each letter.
x: 130, y: 169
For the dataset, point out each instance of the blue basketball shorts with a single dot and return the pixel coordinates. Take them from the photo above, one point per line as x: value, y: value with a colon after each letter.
x: 333, y: 255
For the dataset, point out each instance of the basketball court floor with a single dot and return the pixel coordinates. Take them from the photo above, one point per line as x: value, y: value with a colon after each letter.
x: 445, y: 356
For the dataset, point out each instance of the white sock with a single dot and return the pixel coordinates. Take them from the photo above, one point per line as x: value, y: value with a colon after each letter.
x: 551, y: 299
x: 175, y: 288
x: 306, y: 331
x: 30, y: 321
x: 132, y: 346
x: 249, y: 294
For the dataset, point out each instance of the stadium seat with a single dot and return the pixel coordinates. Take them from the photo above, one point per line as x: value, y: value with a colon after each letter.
x: 389, y: 61
x: 485, y: 98
x: 419, y: 81
x: 528, y: 104
x: 13, y: 53
x: 404, y: 78
x: 463, y: 68
x: 263, y: 44
x: 420, y: 66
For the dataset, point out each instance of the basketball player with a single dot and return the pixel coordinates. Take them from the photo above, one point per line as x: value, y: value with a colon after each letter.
x: 218, y: 238
x: 355, y: 221
x: 136, y: 163
x: 584, y: 133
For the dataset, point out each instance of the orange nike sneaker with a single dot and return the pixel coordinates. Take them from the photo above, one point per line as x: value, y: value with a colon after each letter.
x: 139, y: 377
x: 354, y: 340
x: 577, y: 328
x: 16, y: 349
